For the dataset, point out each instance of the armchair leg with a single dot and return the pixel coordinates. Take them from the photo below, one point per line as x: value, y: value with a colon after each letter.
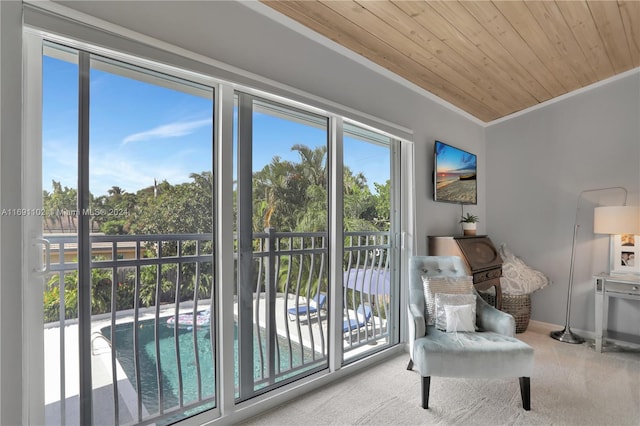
x: 426, y: 383
x: 410, y: 365
x: 525, y: 391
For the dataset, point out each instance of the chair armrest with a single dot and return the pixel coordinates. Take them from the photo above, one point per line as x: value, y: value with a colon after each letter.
x: 491, y: 319
x: 417, y: 323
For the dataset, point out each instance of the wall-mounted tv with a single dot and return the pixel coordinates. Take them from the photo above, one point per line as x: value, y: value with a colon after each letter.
x: 454, y: 175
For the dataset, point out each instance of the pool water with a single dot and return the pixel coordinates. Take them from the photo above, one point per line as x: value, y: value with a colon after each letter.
x: 123, y: 345
x: 170, y: 374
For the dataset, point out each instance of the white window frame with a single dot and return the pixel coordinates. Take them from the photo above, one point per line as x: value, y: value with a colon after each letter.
x: 182, y: 61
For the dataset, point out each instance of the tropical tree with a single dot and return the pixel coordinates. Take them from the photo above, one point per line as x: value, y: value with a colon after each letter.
x: 61, y: 204
x: 278, y: 194
x: 175, y: 209
x: 383, y: 205
x: 50, y: 218
x: 114, y: 208
x: 313, y: 164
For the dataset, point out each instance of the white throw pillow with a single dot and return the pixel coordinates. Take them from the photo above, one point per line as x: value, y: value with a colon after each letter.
x: 460, y: 318
x: 518, y: 278
x: 444, y: 299
x: 449, y: 285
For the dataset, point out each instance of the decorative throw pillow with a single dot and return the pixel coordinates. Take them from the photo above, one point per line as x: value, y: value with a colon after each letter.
x: 449, y: 285
x: 444, y: 299
x: 517, y: 277
x: 460, y: 318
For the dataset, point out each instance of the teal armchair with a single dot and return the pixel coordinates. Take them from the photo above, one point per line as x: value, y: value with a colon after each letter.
x: 492, y: 352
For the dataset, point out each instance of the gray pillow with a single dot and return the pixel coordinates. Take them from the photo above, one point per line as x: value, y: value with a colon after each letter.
x: 444, y: 299
x: 449, y: 285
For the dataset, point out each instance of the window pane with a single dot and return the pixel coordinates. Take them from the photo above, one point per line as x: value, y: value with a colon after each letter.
x: 151, y: 185
x: 367, y: 251
x: 285, y: 327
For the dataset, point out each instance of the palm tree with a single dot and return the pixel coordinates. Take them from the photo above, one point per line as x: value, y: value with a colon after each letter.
x: 48, y: 208
x: 314, y: 163
x: 277, y: 194
x: 57, y: 202
x: 115, y: 191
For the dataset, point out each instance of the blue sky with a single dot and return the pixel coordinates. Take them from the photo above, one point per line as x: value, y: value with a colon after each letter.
x: 142, y: 131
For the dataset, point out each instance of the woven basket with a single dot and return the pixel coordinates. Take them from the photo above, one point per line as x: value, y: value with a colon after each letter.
x: 519, y: 306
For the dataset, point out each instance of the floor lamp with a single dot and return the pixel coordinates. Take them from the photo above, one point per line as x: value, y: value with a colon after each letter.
x: 620, y: 221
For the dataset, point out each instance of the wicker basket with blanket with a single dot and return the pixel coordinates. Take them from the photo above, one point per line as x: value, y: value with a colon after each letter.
x: 518, y: 281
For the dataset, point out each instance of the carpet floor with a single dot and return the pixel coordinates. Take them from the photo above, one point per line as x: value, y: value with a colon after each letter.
x: 571, y: 385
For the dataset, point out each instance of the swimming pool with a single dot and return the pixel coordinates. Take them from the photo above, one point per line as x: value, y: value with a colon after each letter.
x: 170, y: 374
x: 124, y: 349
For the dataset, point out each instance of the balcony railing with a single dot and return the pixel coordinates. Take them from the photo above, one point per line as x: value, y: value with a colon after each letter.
x: 156, y: 290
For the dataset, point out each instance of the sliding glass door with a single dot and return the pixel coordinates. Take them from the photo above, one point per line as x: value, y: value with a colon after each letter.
x: 282, y: 244
x: 127, y: 182
x: 132, y: 321
x: 370, y: 282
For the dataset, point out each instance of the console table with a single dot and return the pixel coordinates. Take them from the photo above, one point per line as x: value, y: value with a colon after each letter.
x: 606, y: 286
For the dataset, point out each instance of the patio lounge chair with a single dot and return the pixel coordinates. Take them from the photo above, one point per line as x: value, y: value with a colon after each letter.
x: 363, y: 316
x: 312, y: 307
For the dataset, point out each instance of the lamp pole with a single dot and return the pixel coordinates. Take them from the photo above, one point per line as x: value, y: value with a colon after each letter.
x: 566, y: 335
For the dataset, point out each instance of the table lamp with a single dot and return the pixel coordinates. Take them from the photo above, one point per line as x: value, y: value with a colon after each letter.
x: 616, y: 220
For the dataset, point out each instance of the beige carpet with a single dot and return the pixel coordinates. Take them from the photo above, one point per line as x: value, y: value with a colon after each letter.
x: 571, y: 385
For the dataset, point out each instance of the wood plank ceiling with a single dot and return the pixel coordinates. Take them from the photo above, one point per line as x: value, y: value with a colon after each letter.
x: 488, y: 58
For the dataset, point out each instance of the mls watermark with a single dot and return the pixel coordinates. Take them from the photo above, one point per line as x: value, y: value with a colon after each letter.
x: 93, y: 212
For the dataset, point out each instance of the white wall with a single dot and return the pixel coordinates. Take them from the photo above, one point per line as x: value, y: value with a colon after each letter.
x: 537, y: 165
x: 10, y: 229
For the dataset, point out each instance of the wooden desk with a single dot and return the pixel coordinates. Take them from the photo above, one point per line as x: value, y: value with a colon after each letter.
x: 606, y: 286
x: 481, y: 259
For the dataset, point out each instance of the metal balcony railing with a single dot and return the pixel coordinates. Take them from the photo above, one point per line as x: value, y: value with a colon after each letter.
x: 153, y: 310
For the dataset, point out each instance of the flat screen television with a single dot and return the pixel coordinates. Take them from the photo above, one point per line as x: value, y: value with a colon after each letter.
x: 454, y: 175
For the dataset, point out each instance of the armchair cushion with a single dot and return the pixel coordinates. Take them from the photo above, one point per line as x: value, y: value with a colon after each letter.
x: 449, y: 285
x: 472, y: 355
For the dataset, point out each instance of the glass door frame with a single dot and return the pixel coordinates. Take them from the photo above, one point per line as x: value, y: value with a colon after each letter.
x: 34, y: 264
x: 33, y: 366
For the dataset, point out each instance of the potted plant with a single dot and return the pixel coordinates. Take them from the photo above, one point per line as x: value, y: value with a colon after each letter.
x: 469, y: 224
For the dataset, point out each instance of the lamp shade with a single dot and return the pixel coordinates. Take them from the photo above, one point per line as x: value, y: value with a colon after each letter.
x: 616, y: 220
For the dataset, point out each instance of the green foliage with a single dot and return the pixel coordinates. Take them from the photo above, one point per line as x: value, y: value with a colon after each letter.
x: 102, y: 287
x: 100, y: 295
x: 113, y: 227
x: 60, y: 206
x: 175, y: 209
x: 290, y: 196
x: 469, y: 218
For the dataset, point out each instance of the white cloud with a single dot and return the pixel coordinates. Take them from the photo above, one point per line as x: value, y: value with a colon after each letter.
x: 132, y: 175
x: 171, y: 130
